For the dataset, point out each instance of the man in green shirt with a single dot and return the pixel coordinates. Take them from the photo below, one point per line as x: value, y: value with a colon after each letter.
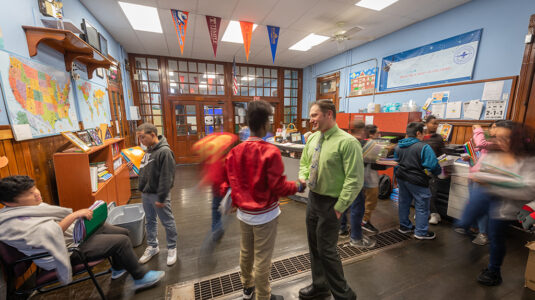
x: 332, y: 163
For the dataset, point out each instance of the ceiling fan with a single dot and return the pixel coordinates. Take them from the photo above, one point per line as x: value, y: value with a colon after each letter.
x: 341, y: 35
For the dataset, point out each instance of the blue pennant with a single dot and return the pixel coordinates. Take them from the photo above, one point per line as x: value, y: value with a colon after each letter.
x: 273, y: 35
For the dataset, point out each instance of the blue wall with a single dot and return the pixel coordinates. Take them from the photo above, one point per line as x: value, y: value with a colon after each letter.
x: 26, y: 12
x: 500, y: 51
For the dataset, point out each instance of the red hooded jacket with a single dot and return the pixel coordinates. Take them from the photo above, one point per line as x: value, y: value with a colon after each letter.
x: 254, y: 171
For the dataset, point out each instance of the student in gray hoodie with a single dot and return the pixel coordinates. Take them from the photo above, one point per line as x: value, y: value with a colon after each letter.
x: 156, y: 177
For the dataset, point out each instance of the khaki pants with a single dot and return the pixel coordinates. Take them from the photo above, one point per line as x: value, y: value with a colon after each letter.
x: 370, y: 202
x: 257, y: 244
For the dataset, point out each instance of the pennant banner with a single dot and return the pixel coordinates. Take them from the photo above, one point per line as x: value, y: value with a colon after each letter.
x: 246, y: 32
x: 273, y: 35
x: 181, y: 23
x: 213, y: 30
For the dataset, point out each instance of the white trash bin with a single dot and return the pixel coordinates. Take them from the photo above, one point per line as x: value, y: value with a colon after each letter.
x: 131, y: 217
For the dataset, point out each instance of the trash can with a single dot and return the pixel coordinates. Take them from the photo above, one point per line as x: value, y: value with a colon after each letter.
x: 131, y: 217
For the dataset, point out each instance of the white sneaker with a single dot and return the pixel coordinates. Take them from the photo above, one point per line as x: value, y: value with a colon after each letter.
x: 148, y: 254
x: 435, y: 219
x: 171, y: 257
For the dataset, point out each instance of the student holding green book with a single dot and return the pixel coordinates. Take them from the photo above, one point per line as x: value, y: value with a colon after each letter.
x: 49, y: 228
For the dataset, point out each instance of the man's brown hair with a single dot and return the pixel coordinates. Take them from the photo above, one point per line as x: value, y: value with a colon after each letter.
x: 325, y: 106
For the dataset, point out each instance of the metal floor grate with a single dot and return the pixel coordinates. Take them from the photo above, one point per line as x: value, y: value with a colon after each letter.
x: 284, y: 268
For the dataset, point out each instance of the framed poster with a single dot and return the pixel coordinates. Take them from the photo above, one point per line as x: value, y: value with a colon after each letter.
x: 76, y: 141
x: 84, y: 136
x: 445, y: 61
x: 94, y: 136
x: 362, y: 82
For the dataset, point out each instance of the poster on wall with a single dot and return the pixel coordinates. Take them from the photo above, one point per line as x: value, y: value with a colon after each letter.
x: 3, y: 112
x: 39, y: 99
x: 362, y: 82
x: 93, y: 103
x: 444, y: 61
x: 495, y: 110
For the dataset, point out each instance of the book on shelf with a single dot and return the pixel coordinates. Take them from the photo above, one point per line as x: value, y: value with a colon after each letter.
x: 93, y: 173
x: 445, y: 129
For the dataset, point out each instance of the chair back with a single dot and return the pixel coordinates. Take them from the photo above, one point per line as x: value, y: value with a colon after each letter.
x: 8, y: 257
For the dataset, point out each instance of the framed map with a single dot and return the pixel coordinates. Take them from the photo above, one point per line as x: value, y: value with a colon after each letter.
x: 38, y: 98
x: 93, y: 103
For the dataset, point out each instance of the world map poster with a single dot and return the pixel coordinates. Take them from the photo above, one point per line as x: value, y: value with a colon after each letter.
x: 93, y: 103
x: 38, y: 98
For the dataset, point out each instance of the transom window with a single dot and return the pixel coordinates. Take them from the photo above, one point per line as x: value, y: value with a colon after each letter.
x: 255, y: 81
x: 189, y: 77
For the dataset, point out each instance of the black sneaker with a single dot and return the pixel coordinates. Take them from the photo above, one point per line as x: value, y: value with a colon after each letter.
x: 430, y: 235
x: 369, y: 227
x: 248, y: 293
x: 404, y: 229
x: 489, y: 278
x: 343, y: 233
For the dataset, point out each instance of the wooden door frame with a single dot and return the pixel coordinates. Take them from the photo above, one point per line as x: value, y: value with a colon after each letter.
x: 333, y: 96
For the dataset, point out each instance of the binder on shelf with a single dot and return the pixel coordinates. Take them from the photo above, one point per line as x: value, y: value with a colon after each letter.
x: 84, y: 228
x: 93, y: 173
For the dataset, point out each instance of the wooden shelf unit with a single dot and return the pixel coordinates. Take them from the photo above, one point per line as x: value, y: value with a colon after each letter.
x: 67, y: 43
x: 74, y: 183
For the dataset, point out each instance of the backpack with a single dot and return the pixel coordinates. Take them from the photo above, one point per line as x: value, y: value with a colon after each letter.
x: 385, y: 187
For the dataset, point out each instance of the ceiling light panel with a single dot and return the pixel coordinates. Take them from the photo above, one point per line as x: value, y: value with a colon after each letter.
x: 308, y: 42
x: 142, y: 17
x: 233, y: 33
x: 375, y: 4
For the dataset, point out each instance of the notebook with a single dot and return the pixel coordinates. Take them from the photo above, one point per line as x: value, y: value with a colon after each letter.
x: 84, y: 228
x: 134, y: 155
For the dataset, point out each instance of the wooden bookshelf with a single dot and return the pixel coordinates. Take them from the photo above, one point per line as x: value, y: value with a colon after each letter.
x: 74, y: 182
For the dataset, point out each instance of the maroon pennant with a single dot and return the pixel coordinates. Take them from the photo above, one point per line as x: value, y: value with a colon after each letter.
x: 213, y: 31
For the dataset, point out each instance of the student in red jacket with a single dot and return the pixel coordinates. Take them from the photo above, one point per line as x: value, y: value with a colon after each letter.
x: 254, y: 171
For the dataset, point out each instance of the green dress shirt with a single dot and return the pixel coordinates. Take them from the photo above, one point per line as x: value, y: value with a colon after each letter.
x: 340, y: 167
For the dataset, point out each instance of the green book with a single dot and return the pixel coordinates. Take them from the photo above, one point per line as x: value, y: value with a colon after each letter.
x: 84, y: 228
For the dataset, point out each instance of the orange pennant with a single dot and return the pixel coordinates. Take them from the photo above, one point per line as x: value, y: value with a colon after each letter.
x: 247, y: 33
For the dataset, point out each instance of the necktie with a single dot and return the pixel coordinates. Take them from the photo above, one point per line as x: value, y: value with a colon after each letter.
x: 313, y: 176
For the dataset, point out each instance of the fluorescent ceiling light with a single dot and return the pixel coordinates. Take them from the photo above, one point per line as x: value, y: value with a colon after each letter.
x: 208, y: 76
x: 203, y: 86
x: 141, y: 17
x: 247, y: 78
x: 308, y: 42
x: 233, y: 33
x: 375, y: 4
x: 173, y: 84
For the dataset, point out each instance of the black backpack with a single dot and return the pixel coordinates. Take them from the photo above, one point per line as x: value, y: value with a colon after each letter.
x: 385, y: 187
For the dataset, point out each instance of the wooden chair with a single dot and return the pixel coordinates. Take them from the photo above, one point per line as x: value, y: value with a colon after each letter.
x: 15, y: 264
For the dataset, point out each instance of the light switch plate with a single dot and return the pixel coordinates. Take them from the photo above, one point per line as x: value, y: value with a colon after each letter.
x: 528, y: 39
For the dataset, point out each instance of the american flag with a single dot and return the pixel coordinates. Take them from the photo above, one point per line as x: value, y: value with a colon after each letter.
x: 234, y: 78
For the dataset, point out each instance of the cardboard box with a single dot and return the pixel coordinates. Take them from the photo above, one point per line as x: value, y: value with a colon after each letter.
x: 530, y: 267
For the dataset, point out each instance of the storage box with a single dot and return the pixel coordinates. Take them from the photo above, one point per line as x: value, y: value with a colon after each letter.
x: 131, y: 217
x: 530, y: 267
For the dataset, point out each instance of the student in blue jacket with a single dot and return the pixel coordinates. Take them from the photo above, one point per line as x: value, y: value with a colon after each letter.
x: 415, y: 160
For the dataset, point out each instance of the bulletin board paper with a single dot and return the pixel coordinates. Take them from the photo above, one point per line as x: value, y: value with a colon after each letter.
x: 472, y: 110
x: 453, y: 110
x: 437, y: 110
x: 492, y: 90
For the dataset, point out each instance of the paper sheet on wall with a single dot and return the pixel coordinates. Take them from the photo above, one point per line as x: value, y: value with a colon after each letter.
x: 437, y: 110
x: 134, y: 113
x: 427, y: 103
x: 472, y: 110
x: 492, y: 90
x: 495, y: 110
x: 22, y: 131
x: 439, y: 97
x: 368, y: 120
x: 453, y: 110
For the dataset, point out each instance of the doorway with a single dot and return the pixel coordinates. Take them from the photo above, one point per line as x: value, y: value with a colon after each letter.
x: 193, y: 121
x: 327, y: 88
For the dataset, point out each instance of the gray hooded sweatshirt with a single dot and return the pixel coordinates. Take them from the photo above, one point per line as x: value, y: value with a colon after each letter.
x: 157, y: 170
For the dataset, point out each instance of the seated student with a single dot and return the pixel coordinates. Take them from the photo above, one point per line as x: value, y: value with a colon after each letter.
x: 415, y: 159
x: 35, y: 227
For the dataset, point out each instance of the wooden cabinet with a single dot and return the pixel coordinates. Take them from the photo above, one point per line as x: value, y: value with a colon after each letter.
x: 391, y: 122
x: 74, y: 182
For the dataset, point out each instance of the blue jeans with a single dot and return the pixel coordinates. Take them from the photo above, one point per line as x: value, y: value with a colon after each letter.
x: 481, y: 203
x: 166, y: 217
x: 216, y: 215
x: 356, y: 214
x: 483, y: 221
x: 421, y: 196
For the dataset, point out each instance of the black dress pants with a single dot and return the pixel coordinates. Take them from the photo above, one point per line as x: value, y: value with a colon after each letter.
x: 322, y: 232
